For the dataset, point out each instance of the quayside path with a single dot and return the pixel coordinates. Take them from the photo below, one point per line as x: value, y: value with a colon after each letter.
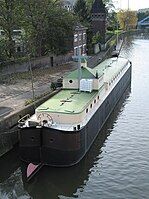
x: 16, y: 89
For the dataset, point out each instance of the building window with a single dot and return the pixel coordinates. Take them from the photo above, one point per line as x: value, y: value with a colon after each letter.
x: 84, y: 49
x: 84, y: 36
x: 75, y: 51
x: 17, y: 32
x: 78, y: 126
x: 2, y: 32
x: 75, y: 38
x: 80, y: 37
x: 79, y: 50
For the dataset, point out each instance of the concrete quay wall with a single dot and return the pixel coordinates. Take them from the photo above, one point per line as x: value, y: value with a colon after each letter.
x: 9, y: 133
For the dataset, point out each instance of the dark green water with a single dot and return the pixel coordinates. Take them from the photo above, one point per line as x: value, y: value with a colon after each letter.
x: 117, y: 165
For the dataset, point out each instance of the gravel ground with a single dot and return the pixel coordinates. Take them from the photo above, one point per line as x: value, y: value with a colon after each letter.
x: 16, y: 90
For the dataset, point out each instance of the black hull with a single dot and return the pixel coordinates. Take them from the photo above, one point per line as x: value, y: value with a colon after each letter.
x: 61, y: 148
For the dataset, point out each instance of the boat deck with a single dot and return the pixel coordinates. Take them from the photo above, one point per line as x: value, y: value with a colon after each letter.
x: 68, y: 102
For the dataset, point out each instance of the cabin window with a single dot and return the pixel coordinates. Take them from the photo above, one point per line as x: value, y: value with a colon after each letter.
x: 78, y: 126
x: 98, y: 97
x: 91, y: 106
x: 95, y: 101
x: 70, y: 81
x: 74, y: 128
x: 87, y: 110
x: 32, y: 138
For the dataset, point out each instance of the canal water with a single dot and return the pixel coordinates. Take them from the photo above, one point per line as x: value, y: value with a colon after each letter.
x: 117, y: 165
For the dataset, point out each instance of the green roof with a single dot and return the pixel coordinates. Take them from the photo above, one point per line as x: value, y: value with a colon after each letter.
x: 92, y: 73
x: 86, y: 73
x: 67, y: 101
x: 111, y: 62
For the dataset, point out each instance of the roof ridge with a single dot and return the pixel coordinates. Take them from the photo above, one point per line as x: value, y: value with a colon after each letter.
x: 91, y: 70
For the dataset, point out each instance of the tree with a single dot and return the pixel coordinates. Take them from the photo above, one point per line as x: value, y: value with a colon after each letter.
x: 96, y: 38
x: 112, y: 21
x: 82, y: 11
x: 3, y: 54
x: 127, y: 19
x: 33, y: 19
x: 60, y: 31
x: 46, y: 26
x: 8, y: 22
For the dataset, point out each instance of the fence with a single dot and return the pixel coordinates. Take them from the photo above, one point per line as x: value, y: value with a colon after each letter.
x: 41, y: 62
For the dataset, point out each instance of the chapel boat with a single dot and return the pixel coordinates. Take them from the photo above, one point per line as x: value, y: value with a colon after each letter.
x: 64, y: 127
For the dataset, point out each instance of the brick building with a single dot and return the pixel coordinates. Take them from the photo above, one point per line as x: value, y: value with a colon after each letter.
x: 80, y: 39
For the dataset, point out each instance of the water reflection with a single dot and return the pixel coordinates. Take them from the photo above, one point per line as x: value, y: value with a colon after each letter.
x: 129, y: 45
x: 58, y: 182
x: 9, y: 164
x: 11, y: 185
x: 54, y: 182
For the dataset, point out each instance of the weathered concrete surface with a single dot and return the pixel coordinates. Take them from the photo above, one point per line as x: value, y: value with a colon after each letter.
x: 16, y: 89
x: 8, y: 135
x: 40, y: 62
x: 7, y: 141
x: 4, y: 111
x: 12, y: 119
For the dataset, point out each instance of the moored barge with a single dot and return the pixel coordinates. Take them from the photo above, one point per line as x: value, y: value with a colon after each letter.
x: 64, y: 127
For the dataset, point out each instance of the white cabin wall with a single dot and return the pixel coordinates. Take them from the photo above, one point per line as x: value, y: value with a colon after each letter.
x: 97, y: 83
x: 68, y: 85
x: 60, y: 118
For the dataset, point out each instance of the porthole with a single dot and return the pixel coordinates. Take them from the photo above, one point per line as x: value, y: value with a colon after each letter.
x: 51, y: 139
x: 70, y: 81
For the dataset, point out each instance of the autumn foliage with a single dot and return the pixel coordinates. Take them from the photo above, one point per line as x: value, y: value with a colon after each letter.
x: 127, y: 19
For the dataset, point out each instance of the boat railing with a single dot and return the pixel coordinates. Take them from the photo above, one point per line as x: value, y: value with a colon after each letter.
x: 22, y: 120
